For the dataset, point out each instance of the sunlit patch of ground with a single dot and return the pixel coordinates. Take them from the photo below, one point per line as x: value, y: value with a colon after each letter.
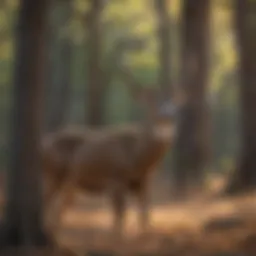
x: 194, y: 228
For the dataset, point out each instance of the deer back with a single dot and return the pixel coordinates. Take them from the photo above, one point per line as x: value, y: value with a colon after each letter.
x: 58, y: 148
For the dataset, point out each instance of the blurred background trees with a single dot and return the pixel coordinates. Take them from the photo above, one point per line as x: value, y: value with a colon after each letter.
x: 96, y: 49
x: 173, y: 44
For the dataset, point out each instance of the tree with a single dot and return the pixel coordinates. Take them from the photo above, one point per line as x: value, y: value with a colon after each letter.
x: 245, y: 23
x: 164, y: 40
x: 164, y: 49
x: 23, y: 224
x: 61, y: 88
x: 193, y: 138
x: 95, y: 82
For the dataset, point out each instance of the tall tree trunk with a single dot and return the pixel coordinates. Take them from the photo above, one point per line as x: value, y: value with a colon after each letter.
x: 193, y: 138
x: 23, y: 217
x: 164, y: 39
x: 50, y: 67
x: 164, y: 52
x: 96, y: 91
x: 59, y: 93
x: 245, y: 23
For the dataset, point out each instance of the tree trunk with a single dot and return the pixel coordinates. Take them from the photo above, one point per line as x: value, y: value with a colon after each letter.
x: 164, y: 53
x: 23, y: 224
x: 192, y: 149
x: 245, y: 23
x: 59, y: 92
x: 96, y: 91
x: 50, y: 65
x: 164, y: 39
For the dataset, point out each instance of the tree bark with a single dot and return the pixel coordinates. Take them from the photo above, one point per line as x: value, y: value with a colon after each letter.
x: 60, y: 92
x: 164, y: 49
x: 23, y: 224
x: 164, y: 53
x: 96, y: 90
x: 192, y: 149
x: 245, y: 23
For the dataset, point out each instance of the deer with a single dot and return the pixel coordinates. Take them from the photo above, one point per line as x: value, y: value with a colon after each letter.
x: 113, y: 161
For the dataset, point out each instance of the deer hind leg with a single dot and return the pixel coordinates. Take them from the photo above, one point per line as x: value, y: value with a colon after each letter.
x: 59, y: 205
x: 50, y: 191
x: 119, y: 207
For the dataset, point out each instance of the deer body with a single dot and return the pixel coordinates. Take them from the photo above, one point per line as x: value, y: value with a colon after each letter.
x: 126, y: 155
x: 111, y: 160
x: 115, y: 161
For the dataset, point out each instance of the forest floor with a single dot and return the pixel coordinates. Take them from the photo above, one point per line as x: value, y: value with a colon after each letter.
x: 202, y: 226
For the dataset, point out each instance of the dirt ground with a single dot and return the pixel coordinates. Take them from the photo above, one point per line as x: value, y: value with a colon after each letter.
x: 204, y: 226
x: 207, y: 228
x: 199, y: 227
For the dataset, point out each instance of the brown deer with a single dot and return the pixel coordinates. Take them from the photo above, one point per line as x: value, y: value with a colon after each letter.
x: 112, y: 160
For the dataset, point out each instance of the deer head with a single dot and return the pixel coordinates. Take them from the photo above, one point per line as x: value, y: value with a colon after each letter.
x: 160, y: 111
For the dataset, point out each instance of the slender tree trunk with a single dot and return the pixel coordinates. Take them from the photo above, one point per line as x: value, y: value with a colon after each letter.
x: 23, y: 217
x: 50, y: 67
x: 164, y: 53
x: 59, y: 92
x: 193, y: 140
x: 245, y: 23
x: 164, y: 39
x: 62, y: 107
x: 96, y: 92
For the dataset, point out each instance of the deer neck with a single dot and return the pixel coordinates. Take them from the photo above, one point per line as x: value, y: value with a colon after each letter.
x: 154, y: 142
x: 158, y: 131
